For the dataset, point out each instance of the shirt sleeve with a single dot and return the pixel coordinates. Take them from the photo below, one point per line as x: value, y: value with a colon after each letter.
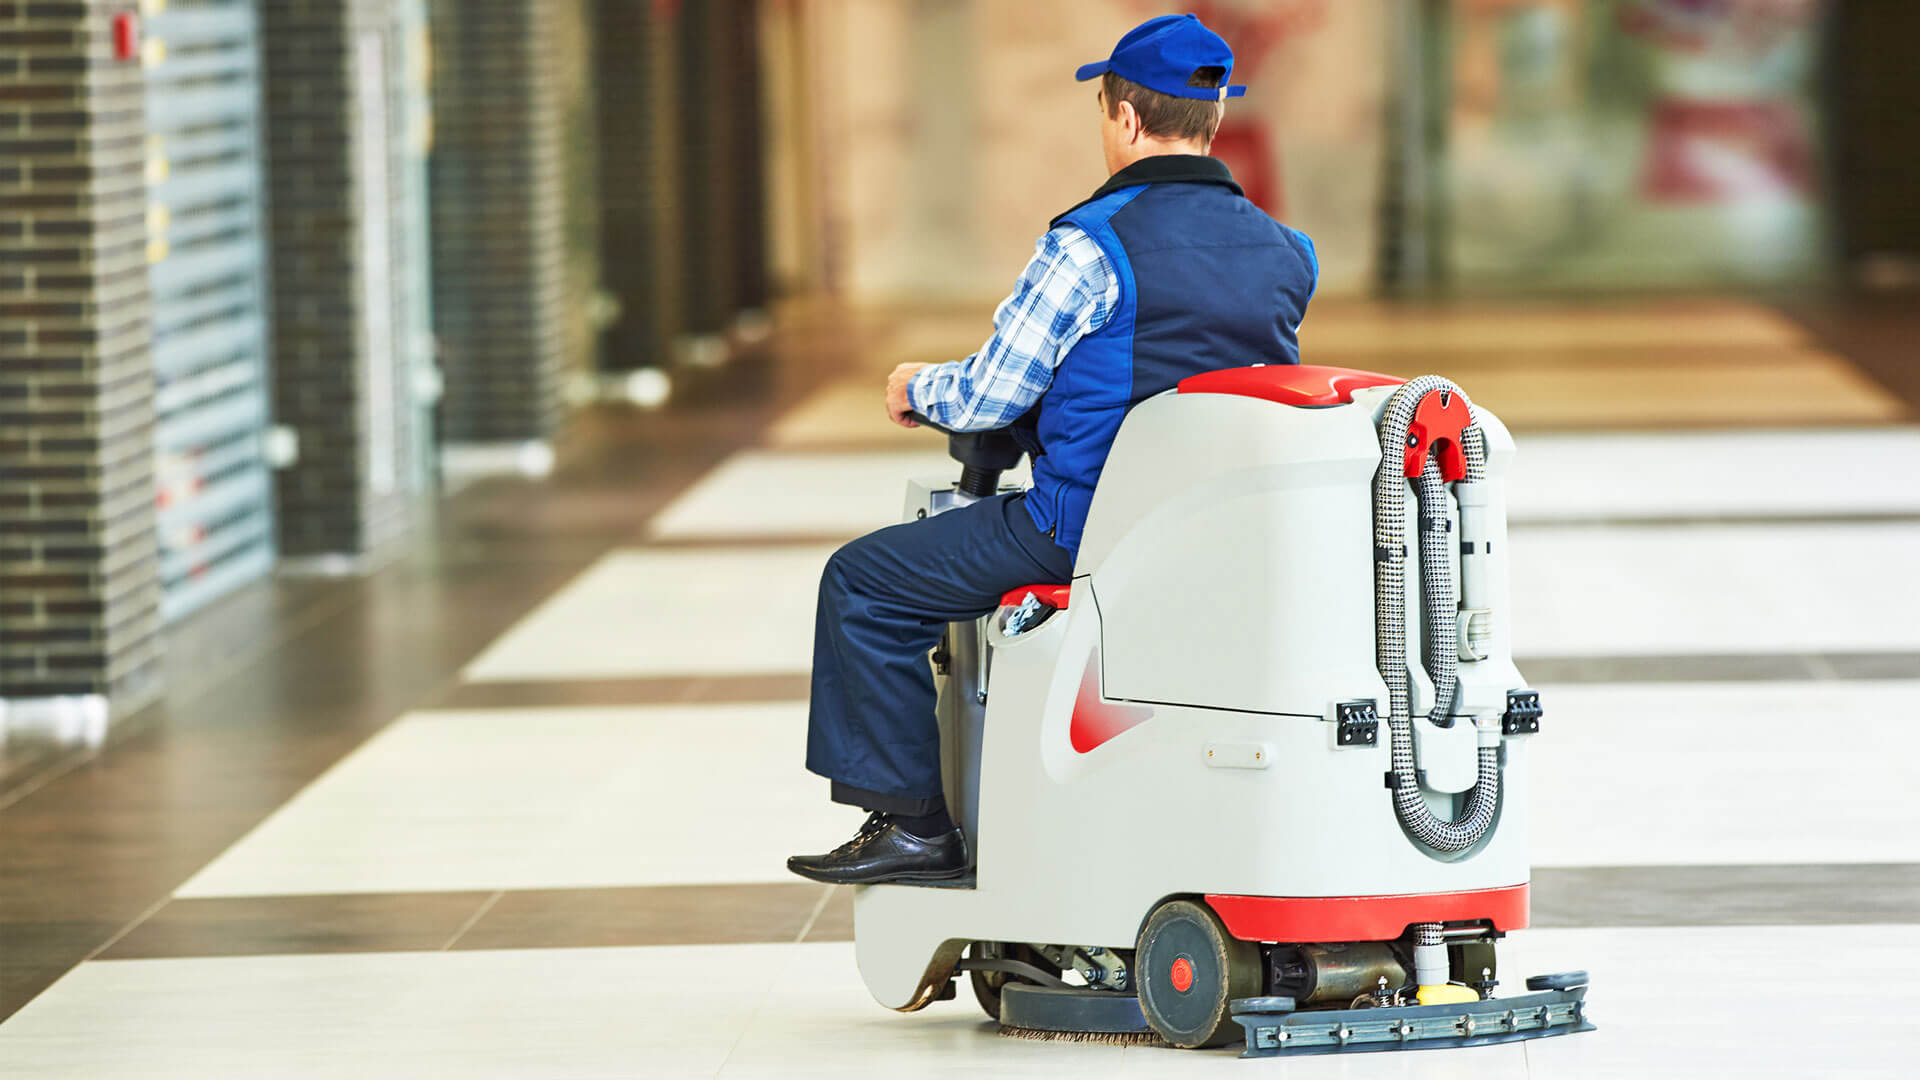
x: 1068, y: 290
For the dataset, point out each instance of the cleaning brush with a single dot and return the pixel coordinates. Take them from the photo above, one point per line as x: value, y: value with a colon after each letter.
x: 1111, y: 1038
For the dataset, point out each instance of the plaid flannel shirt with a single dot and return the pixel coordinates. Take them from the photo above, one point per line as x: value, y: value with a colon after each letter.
x: 1067, y: 291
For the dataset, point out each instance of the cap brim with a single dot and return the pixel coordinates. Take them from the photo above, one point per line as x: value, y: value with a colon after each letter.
x: 1088, y: 71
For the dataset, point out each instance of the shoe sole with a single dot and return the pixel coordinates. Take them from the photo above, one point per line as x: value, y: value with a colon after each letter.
x: 910, y: 877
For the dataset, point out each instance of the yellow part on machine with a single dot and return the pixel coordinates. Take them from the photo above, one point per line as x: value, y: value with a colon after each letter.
x: 1447, y: 994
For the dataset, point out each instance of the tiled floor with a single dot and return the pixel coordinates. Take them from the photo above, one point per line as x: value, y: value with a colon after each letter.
x: 637, y: 795
x: 1674, y: 1002
x: 669, y: 612
x: 616, y: 796
x: 516, y: 804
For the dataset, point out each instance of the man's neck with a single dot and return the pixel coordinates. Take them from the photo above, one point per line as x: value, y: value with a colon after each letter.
x: 1162, y: 148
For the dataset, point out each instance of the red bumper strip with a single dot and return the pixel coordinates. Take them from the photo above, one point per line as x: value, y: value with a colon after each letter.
x: 1302, y: 919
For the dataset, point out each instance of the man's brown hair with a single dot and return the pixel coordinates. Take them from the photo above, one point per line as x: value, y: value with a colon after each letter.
x: 1163, y: 115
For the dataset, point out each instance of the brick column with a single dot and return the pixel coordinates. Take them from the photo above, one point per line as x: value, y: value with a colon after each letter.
x: 641, y: 226
x: 498, y: 224
x: 79, y: 576
x: 345, y: 373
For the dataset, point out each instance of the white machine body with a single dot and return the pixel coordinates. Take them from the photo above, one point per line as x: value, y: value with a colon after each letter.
x: 1173, y: 730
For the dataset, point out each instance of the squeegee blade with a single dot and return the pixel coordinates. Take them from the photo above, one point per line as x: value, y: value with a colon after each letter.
x: 1417, y: 1027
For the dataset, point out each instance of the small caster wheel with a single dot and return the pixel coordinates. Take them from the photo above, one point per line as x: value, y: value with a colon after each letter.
x: 1189, y: 971
x: 1564, y: 980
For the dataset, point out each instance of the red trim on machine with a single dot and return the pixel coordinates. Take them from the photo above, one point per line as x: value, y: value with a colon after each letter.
x: 1095, y: 719
x: 1288, y: 384
x: 1439, y: 423
x: 1364, y: 918
x: 1054, y: 596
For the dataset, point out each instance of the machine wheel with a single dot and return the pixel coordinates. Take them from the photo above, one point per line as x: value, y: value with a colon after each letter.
x: 1189, y: 970
x: 987, y: 984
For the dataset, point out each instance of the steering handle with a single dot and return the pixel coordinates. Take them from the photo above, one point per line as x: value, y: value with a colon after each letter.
x: 983, y: 455
x: 926, y: 423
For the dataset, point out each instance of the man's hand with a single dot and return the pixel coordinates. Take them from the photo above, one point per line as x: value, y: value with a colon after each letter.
x: 897, y: 404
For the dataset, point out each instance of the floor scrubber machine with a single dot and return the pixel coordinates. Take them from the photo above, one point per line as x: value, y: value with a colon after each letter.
x: 1263, y: 762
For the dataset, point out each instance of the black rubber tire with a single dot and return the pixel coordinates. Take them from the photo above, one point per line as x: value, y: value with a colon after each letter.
x: 1565, y: 980
x: 1185, y: 942
x: 987, y: 984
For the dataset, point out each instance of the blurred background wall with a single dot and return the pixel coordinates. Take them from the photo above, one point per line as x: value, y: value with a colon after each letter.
x: 275, y: 272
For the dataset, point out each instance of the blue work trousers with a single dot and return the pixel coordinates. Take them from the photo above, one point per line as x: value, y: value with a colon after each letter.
x: 885, y: 600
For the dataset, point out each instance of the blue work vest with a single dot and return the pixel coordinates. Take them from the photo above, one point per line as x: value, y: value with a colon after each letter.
x: 1207, y: 281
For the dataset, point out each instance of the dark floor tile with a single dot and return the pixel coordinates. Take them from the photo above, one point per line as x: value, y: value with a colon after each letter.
x: 1889, y: 665
x: 35, y: 953
x: 656, y: 915
x: 653, y: 690
x: 286, y: 925
x: 1876, y: 333
x: 761, y: 540
x: 835, y: 922
x: 1825, y: 895
x: 1763, y: 667
x: 536, y: 693
x: 781, y: 686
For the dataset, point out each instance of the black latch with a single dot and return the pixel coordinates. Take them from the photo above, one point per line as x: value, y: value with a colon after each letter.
x: 1392, y: 779
x: 1523, y: 713
x: 1359, y: 723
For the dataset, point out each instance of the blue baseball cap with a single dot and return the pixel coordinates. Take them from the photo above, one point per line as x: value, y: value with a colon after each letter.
x: 1163, y: 53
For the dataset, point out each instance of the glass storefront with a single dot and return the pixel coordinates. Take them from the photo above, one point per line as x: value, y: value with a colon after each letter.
x: 1626, y: 143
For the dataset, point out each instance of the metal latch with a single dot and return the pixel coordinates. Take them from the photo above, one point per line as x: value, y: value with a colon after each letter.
x: 1359, y: 723
x: 1523, y: 713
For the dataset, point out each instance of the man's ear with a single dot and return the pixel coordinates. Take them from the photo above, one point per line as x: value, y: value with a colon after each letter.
x: 1129, y: 121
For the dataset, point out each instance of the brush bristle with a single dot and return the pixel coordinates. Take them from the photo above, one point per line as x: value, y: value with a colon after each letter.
x: 1110, y: 1038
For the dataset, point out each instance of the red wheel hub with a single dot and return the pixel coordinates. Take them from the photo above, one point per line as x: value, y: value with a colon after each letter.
x: 1182, y: 975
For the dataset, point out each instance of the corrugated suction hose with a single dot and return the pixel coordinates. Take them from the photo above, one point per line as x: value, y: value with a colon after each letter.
x: 1440, y: 653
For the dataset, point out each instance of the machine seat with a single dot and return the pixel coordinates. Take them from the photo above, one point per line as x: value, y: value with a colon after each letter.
x: 1288, y: 384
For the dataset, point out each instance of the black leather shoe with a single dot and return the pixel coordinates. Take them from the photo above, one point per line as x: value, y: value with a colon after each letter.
x: 882, y: 852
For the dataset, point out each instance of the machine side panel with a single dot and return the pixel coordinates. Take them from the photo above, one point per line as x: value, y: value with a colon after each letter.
x: 1237, y: 572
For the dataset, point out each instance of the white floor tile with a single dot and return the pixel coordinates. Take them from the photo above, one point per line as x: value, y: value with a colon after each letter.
x: 1662, y: 590
x: 543, y: 798
x: 669, y: 612
x: 664, y: 1012
x: 1729, y: 1001
x: 846, y: 412
x: 1578, y: 591
x: 1715, y: 473
x: 1557, y: 478
x: 1668, y: 1002
x: 547, y: 798
x: 768, y: 493
x: 1728, y: 774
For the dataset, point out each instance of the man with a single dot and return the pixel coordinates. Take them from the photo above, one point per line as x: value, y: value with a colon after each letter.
x: 1165, y: 272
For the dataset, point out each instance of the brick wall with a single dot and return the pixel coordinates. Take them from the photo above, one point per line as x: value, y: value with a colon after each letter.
x: 499, y: 243
x: 335, y: 125
x: 79, y: 595
x: 641, y: 226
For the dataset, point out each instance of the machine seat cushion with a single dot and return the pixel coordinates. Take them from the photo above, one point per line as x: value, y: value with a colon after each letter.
x: 1288, y: 384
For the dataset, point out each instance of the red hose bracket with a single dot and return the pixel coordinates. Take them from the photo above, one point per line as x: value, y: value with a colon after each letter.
x: 1439, y: 424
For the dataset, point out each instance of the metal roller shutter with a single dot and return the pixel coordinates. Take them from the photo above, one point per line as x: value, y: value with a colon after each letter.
x: 209, y: 300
